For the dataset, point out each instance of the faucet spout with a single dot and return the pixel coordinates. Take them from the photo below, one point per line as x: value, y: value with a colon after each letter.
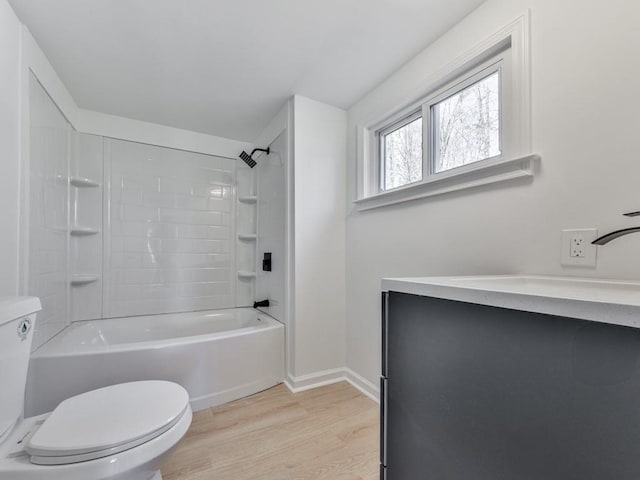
x: 604, y: 239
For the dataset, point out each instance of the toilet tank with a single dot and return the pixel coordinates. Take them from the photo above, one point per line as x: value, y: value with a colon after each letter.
x: 17, y: 319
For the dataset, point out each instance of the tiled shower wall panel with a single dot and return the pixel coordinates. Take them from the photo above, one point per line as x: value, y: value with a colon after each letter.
x: 48, y: 188
x: 169, y: 242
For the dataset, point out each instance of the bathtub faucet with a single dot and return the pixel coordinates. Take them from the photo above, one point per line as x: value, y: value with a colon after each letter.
x: 261, y: 303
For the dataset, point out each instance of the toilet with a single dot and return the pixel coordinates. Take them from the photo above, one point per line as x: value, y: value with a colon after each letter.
x: 120, y: 432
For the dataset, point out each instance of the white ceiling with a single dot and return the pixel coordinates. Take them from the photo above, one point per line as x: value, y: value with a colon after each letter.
x: 225, y: 67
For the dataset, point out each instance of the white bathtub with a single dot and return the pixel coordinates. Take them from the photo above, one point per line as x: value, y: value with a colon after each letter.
x: 218, y: 356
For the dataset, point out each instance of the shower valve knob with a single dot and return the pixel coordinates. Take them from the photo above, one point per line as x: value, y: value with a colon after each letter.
x: 266, y: 262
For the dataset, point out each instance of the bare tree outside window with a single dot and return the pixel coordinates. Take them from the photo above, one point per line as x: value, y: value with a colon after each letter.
x: 468, y: 125
x: 403, y: 155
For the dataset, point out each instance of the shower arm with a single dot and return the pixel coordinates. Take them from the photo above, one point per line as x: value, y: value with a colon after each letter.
x: 265, y: 150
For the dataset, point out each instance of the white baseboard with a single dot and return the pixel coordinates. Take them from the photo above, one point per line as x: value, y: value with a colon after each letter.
x: 328, y: 377
x: 314, y: 380
x: 365, y: 386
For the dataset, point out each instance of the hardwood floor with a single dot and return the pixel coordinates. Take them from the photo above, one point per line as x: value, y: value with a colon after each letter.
x: 326, y: 433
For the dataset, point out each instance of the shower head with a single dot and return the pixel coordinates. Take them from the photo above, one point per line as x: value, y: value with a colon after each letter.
x: 248, y: 158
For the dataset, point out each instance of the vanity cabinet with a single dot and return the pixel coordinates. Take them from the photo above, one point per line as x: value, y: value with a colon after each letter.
x: 471, y: 391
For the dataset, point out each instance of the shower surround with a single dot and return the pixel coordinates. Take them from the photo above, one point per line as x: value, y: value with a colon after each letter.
x: 169, y: 230
x: 118, y: 228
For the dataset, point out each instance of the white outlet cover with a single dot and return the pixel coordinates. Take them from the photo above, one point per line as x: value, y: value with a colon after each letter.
x: 590, y: 252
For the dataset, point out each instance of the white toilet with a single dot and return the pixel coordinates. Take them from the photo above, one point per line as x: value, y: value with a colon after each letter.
x: 121, y: 432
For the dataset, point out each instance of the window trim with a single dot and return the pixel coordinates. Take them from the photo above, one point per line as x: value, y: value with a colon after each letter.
x: 509, y: 45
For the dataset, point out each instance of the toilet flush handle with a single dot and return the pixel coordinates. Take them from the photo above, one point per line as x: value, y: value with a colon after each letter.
x: 24, y: 327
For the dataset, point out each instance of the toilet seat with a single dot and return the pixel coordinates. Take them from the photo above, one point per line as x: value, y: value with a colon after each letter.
x: 107, y: 421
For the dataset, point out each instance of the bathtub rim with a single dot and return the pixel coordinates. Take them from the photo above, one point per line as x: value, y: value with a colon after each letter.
x: 271, y: 324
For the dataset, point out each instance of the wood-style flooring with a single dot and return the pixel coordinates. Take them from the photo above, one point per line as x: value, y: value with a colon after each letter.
x: 326, y: 433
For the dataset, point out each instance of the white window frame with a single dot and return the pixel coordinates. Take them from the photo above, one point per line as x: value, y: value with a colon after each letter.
x: 507, y: 51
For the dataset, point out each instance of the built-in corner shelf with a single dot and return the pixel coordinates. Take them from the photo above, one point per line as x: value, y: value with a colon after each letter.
x: 247, y: 237
x: 83, y: 231
x: 248, y: 199
x: 83, y: 182
x: 243, y: 274
x: 78, y: 280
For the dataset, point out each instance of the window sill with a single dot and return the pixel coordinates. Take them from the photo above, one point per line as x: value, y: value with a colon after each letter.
x: 469, y: 176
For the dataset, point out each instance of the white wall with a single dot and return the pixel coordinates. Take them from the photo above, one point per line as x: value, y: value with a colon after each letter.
x: 585, y: 126
x: 319, y: 238
x: 9, y: 148
x: 122, y: 128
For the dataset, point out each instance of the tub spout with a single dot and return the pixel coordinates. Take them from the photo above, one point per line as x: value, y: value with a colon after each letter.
x: 604, y: 239
x: 261, y: 303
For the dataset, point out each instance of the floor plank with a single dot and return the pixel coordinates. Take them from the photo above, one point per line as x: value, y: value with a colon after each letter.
x: 325, y: 433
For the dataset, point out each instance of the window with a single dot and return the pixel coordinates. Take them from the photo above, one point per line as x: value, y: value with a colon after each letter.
x: 463, y: 127
x: 471, y: 127
x: 466, y: 125
x: 401, y: 153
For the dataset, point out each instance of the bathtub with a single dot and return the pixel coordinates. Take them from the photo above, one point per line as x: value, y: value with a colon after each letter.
x: 217, y: 356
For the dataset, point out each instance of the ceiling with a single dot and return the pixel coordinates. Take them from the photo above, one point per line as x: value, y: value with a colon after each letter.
x: 225, y: 67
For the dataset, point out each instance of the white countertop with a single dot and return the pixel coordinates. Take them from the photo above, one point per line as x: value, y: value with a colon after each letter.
x: 606, y: 301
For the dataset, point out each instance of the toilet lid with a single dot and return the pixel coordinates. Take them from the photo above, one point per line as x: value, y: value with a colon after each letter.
x: 106, y: 421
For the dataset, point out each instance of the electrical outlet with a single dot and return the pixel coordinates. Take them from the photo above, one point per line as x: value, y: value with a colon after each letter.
x: 576, y: 246
x: 577, y: 250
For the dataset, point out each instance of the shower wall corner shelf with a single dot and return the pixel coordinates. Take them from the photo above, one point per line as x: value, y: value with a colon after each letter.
x: 248, y: 199
x: 78, y: 280
x: 83, y: 182
x: 82, y: 231
x: 247, y: 237
x: 245, y: 274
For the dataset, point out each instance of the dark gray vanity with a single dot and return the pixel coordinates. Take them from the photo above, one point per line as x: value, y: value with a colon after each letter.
x: 487, y: 382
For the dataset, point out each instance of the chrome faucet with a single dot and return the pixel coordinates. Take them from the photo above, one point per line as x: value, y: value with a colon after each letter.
x: 604, y: 239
